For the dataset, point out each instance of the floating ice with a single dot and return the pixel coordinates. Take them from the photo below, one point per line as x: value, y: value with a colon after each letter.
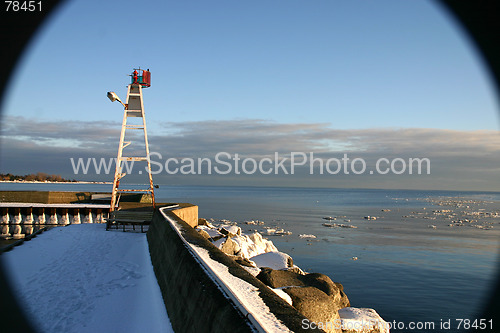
x: 306, y: 236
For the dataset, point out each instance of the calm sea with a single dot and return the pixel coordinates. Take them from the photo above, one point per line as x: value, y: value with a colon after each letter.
x: 411, y: 266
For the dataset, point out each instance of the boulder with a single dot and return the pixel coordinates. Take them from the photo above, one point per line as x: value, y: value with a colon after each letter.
x: 230, y: 247
x: 243, y: 261
x: 288, y: 278
x: 204, y: 233
x: 316, y: 306
x: 315, y: 295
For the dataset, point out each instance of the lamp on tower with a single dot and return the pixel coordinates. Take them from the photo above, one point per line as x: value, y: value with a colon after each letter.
x: 114, y: 97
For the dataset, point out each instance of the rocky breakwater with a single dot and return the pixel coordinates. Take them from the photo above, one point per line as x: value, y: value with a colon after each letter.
x: 322, y: 301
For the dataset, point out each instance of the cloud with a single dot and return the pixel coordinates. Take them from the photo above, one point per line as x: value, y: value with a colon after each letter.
x: 459, y: 159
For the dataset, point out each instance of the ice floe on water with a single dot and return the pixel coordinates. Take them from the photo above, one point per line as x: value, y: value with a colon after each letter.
x: 307, y: 236
x: 339, y: 225
x: 459, y: 212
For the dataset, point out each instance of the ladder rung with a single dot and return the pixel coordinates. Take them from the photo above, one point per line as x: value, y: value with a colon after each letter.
x: 134, y: 113
x: 129, y: 190
x: 130, y: 158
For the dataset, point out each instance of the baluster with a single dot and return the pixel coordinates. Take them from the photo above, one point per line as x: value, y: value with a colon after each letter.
x: 28, y: 221
x: 52, y: 216
x: 76, y: 216
x: 16, y: 221
x: 5, y: 223
x: 64, y: 220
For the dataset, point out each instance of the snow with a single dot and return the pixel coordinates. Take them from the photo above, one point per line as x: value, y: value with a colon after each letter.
x: 211, y: 231
x: 254, y: 244
x: 240, y: 291
x: 246, y: 293
x: 274, y: 260
x: 282, y: 294
x: 232, y: 229
x: 362, y: 320
x: 81, y: 278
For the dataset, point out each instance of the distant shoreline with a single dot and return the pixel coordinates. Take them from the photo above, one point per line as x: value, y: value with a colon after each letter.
x: 48, y: 182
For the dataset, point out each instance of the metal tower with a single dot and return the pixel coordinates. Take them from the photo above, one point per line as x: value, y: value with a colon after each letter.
x: 134, y: 108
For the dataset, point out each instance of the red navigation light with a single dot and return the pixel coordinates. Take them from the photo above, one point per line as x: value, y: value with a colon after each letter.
x: 143, y: 77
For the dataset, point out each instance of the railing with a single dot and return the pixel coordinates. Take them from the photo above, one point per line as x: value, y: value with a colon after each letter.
x: 18, y: 220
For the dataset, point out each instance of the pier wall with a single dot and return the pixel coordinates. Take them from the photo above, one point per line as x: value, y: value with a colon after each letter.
x: 49, y: 197
x: 194, y: 302
x: 188, y: 214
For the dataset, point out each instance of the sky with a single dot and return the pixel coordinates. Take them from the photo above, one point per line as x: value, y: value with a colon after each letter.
x: 373, y: 79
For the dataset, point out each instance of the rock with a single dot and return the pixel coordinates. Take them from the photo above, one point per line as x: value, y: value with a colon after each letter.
x: 288, y: 278
x: 230, y: 231
x: 322, y: 282
x: 296, y: 269
x: 243, y: 261
x: 212, y: 233
x: 344, y: 301
x: 315, y: 295
x: 316, y: 306
x: 352, y: 318
x: 202, y: 221
x: 204, y: 233
x: 230, y: 247
x: 274, y: 260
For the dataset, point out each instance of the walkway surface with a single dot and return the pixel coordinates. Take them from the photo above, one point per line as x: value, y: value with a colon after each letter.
x: 81, y: 278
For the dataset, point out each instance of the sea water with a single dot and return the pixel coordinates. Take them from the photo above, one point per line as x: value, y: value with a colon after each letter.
x: 408, y: 264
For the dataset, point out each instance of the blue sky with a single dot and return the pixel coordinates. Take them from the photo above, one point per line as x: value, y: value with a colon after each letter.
x: 342, y: 65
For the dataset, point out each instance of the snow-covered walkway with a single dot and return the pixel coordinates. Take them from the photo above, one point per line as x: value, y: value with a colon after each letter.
x: 81, y: 278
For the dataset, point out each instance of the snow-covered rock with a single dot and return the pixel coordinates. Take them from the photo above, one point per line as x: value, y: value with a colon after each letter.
x: 230, y: 230
x: 362, y: 320
x: 212, y: 232
x: 254, y: 244
x: 274, y: 260
x: 230, y: 247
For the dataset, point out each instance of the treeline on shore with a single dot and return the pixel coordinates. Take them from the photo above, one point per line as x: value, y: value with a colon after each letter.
x: 39, y: 176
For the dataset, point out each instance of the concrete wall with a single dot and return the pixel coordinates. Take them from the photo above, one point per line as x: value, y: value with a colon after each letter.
x: 43, y: 196
x: 194, y: 303
x: 188, y: 214
x: 59, y: 197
